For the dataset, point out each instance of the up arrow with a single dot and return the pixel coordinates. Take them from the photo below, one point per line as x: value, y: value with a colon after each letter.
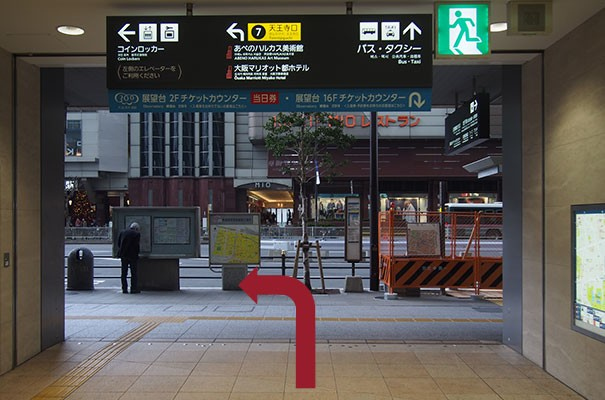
x: 413, y: 29
x: 123, y: 32
x: 233, y: 32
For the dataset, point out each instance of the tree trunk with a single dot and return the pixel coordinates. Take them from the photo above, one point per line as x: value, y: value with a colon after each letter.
x: 305, y: 237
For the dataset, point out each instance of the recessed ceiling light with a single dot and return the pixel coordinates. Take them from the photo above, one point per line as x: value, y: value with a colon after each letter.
x: 70, y: 30
x: 498, y: 27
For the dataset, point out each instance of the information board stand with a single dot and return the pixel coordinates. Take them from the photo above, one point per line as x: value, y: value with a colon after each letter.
x: 232, y: 275
x: 159, y: 274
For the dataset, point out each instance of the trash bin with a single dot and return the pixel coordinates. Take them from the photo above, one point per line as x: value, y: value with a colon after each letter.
x: 80, y: 270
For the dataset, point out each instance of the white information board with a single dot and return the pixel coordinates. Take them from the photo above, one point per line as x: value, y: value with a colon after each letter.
x: 353, y: 235
x: 588, y: 257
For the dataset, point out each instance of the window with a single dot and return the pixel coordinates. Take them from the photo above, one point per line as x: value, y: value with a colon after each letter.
x: 188, y: 144
x: 73, y: 138
x: 174, y: 144
x: 176, y: 133
x: 157, y: 144
x: 212, y: 145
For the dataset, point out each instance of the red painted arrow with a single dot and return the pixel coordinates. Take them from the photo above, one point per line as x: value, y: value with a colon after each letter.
x: 254, y: 285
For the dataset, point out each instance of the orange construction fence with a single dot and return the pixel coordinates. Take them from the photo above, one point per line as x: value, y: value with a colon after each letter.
x: 440, y: 250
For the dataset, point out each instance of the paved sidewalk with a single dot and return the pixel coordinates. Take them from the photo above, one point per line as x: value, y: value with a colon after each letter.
x: 213, y: 314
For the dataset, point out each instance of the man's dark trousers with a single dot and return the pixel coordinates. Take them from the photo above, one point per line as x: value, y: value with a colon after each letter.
x: 134, y: 277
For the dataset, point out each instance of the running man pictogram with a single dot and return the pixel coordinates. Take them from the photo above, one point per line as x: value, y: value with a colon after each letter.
x: 464, y: 24
x: 462, y: 29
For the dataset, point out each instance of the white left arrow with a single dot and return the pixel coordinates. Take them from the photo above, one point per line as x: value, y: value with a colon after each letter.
x: 123, y: 32
x: 413, y: 29
x: 233, y: 32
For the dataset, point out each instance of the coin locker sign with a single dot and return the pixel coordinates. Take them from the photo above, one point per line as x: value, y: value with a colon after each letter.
x: 285, y: 52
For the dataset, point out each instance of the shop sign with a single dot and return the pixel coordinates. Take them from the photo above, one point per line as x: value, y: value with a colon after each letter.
x: 263, y: 185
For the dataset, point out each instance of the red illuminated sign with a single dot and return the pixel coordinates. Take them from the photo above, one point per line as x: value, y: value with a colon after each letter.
x: 264, y: 97
x: 386, y: 120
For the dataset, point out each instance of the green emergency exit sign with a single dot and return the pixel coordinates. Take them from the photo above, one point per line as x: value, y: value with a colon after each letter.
x: 462, y: 29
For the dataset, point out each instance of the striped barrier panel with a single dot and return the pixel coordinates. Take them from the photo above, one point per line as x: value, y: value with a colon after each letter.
x: 491, y: 274
x: 444, y: 273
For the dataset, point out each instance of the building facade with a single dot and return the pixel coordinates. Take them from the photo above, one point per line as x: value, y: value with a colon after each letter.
x: 96, y: 165
x: 218, y: 162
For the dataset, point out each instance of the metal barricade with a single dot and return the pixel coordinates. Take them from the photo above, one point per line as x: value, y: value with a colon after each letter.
x: 440, y: 250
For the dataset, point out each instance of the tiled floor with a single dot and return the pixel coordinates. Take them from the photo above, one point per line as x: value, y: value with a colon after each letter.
x: 266, y: 371
x: 211, y: 345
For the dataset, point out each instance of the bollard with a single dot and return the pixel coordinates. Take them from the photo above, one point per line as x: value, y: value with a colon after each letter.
x: 283, y: 262
x: 80, y: 270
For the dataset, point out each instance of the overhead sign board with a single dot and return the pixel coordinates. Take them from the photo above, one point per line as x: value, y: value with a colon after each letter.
x: 462, y: 29
x: 311, y: 51
x: 468, y: 125
x: 272, y: 63
x: 270, y: 100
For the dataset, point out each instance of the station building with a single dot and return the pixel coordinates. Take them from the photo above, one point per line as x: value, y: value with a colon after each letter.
x: 552, y: 145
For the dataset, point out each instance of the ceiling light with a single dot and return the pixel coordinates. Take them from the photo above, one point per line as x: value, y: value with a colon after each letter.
x: 70, y: 30
x: 498, y: 27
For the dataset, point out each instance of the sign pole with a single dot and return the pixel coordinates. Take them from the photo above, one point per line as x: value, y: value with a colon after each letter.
x: 374, y: 281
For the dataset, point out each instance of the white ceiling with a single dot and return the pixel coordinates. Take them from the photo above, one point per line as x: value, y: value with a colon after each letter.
x: 28, y: 27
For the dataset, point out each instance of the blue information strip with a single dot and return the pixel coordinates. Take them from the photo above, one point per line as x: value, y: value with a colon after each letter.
x: 270, y: 100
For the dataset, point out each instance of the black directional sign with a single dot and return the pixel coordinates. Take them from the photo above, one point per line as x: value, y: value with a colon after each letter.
x: 222, y: 52
x: 468, y: 126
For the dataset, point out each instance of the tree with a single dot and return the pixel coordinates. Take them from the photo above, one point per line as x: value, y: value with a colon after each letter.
x: 304, y: 143
x: 82, y: 209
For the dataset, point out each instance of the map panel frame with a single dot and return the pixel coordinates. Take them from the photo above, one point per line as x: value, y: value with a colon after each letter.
x: 588, y: 270
x: 423, y: 239
x: 234, y: 238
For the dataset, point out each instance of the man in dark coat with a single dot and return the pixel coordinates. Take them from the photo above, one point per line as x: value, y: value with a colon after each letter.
x: 128, y: 251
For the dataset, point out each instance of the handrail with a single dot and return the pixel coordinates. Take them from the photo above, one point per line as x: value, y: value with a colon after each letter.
x: 103, y: 234
x: 364, y: 265
x: 458, y: 230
